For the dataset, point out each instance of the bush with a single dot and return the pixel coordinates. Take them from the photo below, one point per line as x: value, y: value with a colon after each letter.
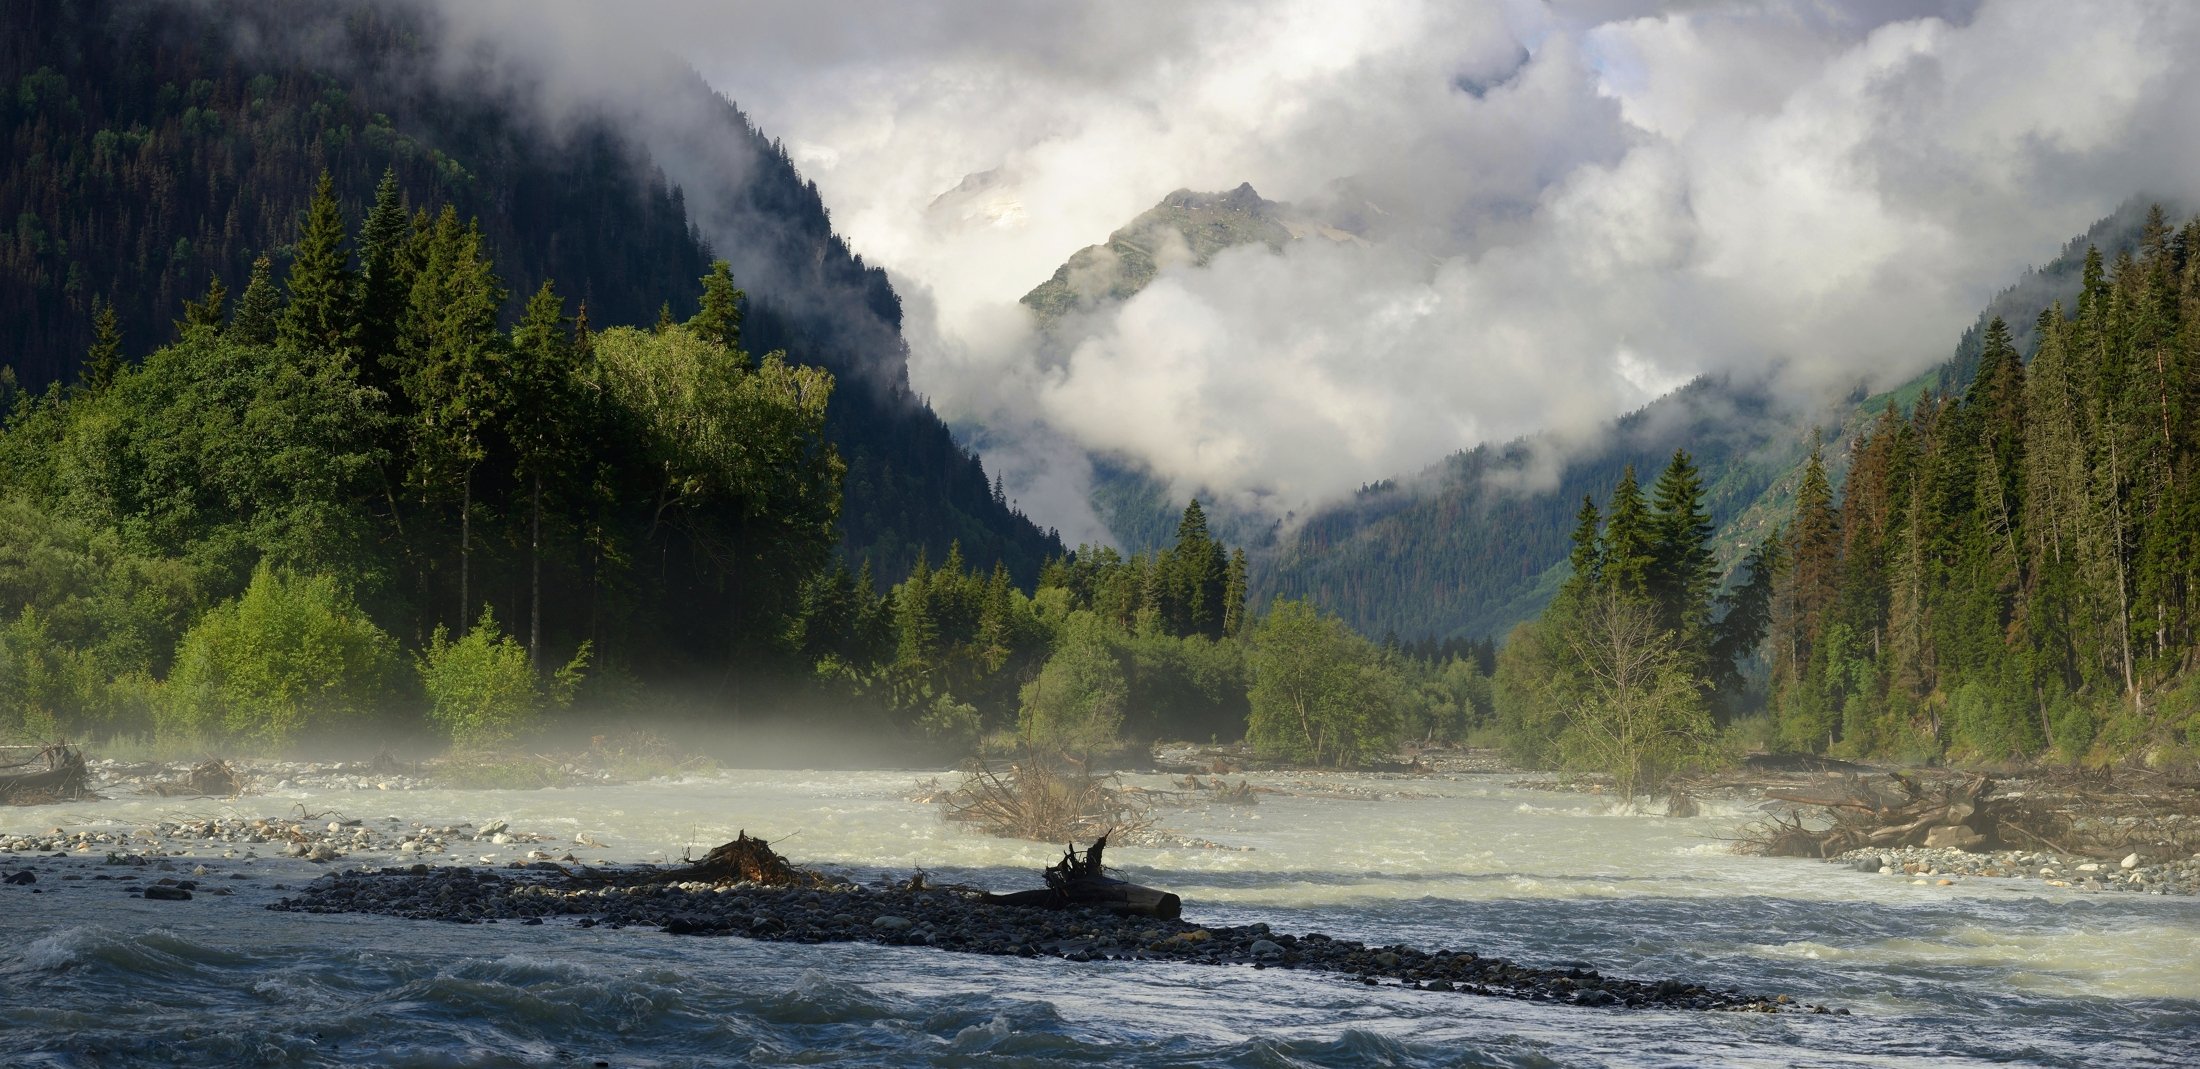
x: 1321, y: 693
x: 291, y: 655
x: 1076, y: 704
x: 480, y: 686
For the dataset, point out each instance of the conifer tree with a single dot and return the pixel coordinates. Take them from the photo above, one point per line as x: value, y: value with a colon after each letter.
x: 103, y: 361
x: 385, y: 280
x: 1682, y: 572
x: 1628, y: 547
x: 319, y: 314
x: 1587, y: 558
x: 719, y: 315
x: 1814, y: 549
x: 1233, y: 595
x: 259, y: 308
x: 542, y: 425
x: 206, y: 313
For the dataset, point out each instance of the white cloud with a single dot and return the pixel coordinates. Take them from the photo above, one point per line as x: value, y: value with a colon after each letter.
x: 1822, y: 192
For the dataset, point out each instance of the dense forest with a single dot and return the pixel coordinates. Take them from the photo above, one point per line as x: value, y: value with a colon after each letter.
x: 2007, y: 570
x: 1478, y: 542
x: 155, y: 146
x: 2010, y: 566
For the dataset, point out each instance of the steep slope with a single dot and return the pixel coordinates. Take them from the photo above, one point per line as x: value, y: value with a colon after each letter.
x: 1459, y: 550
x: 155, y: 145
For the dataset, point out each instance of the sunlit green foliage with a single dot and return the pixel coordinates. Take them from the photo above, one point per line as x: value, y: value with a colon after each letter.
x: 292, y: 656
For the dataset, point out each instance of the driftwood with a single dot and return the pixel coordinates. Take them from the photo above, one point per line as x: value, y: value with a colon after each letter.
x: 1892, y: 811
x: 211, y: 779
x: 745, y: 860
x: 64, y: 778
x: 1049, y: 799
x: 1078, y: 880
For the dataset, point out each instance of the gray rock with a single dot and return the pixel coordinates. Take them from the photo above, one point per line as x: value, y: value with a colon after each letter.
x: 1952, y: 837
x: 2131, y: 861
x: 494, y: 827
x: 165, y: 893
x: 1266, y: 948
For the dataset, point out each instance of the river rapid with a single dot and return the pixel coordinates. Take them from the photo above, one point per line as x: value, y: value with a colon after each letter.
x: 1982, y: 971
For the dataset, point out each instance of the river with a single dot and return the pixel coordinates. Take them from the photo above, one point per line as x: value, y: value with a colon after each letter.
x: 1984, y: 971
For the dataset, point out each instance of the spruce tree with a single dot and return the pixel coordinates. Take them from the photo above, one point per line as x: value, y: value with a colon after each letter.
x: 1682, y: 572
x: 385, y: 280
x: 1586, y: 560
x: 259, y: 308
x: 541, y: 425
x: 319, y: 315
x: 206, y: 313
x: 103, y: 361
x: 719, y: 315
x: 1628, y: 545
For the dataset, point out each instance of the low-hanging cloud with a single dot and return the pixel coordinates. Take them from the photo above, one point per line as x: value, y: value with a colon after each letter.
x: 1571, y: 207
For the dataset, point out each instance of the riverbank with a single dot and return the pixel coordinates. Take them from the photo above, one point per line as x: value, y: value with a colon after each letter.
x: 953, y: 921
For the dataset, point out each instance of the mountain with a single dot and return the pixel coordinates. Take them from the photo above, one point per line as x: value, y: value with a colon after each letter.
x: 157, y: 144
x: 1186, y: 227
x: 1477, y: 542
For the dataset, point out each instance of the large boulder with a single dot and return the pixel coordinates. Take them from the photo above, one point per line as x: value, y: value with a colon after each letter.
x: 1953, y: 837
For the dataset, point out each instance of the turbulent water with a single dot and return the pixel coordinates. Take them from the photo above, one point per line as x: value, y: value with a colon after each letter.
x: 1987, y: 971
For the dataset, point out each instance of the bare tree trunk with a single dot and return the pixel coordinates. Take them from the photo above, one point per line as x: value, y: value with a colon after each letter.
x: 534, y: 612
x: 466, y: 550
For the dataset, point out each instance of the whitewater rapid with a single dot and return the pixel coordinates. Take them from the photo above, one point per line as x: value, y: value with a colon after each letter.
x: 1982, y: 971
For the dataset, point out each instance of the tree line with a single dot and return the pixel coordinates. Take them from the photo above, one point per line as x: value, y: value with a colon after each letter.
x: 2010, y: 566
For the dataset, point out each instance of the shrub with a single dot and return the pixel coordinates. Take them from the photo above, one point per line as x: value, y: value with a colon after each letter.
x: 292, y: 654
x: 480, y: 686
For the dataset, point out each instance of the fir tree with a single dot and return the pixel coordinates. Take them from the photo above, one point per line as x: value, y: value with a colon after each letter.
x: 205, y: 314
x: 1627, y: 550
x: 319, y: 315
x: 259, y: 308
x: 719, y: 315
x: 103, y: 361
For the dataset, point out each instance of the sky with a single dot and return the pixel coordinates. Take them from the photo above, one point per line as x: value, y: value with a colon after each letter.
x: 1570, y: 207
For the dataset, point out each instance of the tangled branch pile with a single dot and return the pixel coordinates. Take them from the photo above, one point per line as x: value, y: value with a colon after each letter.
x: 211, y: 779
x: 745, y: 860
x: 2082, y: 817
x: 1045, y: 800
x: 62, y: 779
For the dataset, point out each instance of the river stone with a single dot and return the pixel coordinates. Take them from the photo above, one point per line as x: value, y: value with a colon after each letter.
x: 167, y: 894
x: 1266, y: 948
x: 2131, y: 861
x: 1952, y: 837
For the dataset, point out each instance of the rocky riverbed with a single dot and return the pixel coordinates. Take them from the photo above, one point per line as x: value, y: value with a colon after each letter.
x: 2135, y: 872
x: 951, y: 920
x: 311, y: 838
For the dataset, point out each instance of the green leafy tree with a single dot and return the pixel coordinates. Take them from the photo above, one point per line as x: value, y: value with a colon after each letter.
x: 1637, y: 713
x: 292, y: 656
x: 481, y: 687
x: 1321, y: 693
x: 1076, y: 704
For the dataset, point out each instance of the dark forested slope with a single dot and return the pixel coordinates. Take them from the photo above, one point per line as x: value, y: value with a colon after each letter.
x: 1471, y: 546
x: 156, y: 145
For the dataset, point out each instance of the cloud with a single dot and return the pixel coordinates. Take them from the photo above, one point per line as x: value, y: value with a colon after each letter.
x: 1573, y: 205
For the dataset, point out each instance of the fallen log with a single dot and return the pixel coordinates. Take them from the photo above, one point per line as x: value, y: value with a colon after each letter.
x: 1078, y: 881
x: 63, y: 779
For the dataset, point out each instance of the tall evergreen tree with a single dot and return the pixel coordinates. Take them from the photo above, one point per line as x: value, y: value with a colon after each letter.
x: 543, y: 426
x: 385, y: 280
x: 319, y: 315
x: 1629, y: 547
x: 718, y: 316
x: 259, y: 308
x: 1682, y: 571
x: 103, y: 361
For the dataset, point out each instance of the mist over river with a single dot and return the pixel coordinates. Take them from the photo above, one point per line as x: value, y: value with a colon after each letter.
x: 1983, y: 971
